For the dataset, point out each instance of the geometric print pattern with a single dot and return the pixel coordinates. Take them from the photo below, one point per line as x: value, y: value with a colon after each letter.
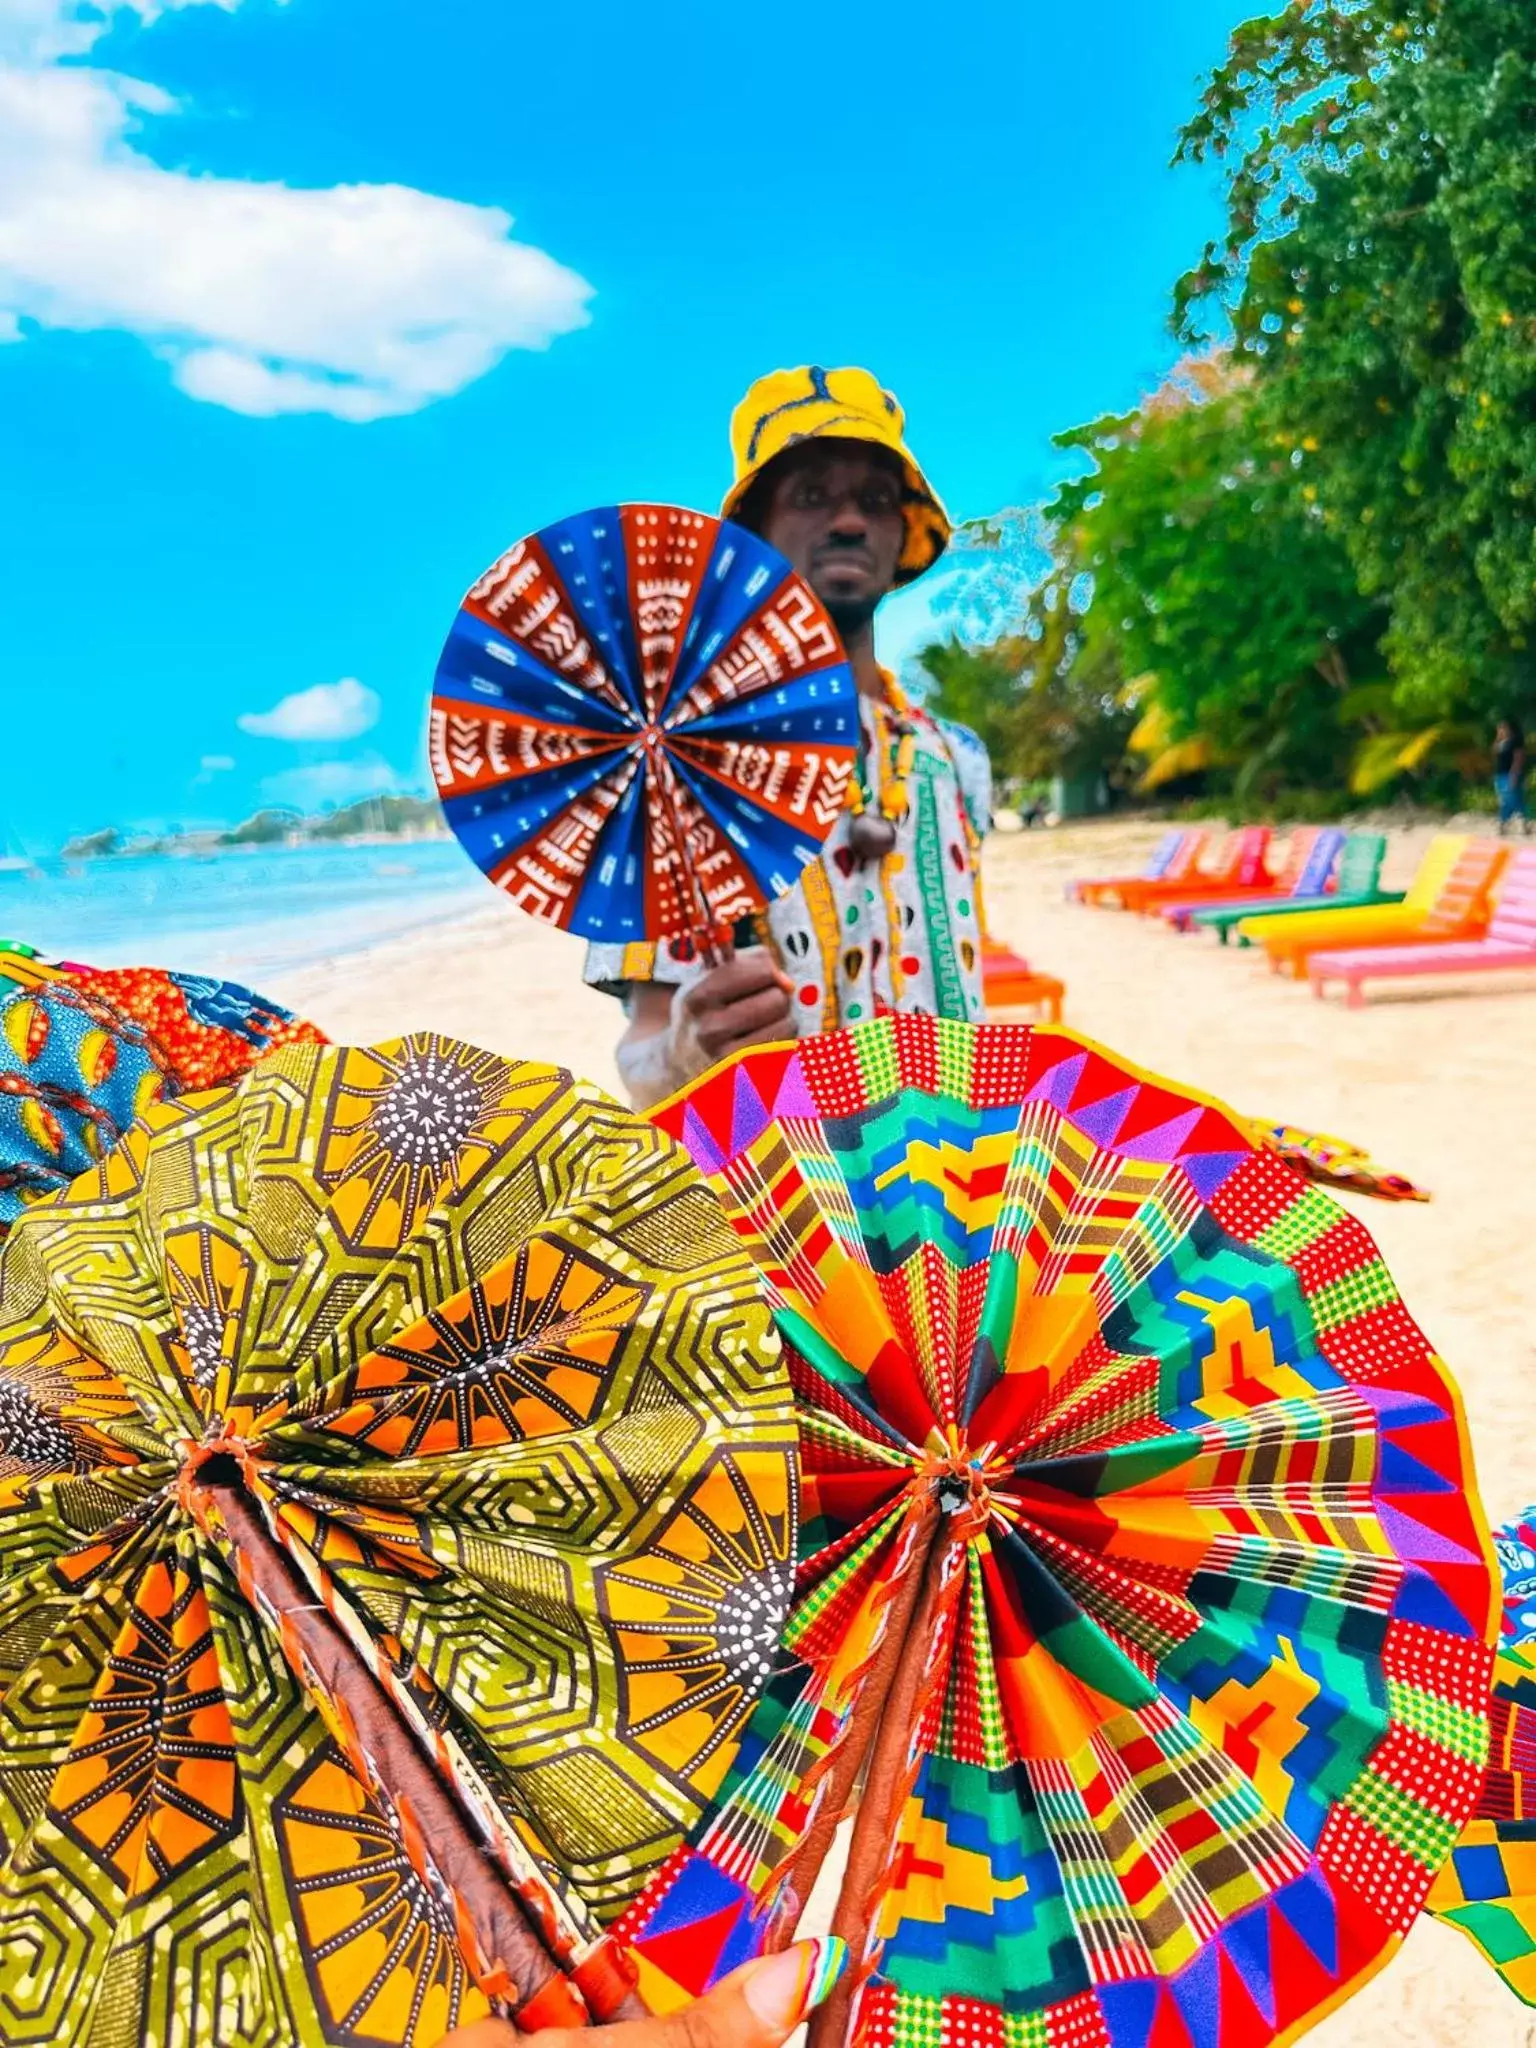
x: 642, y: 724
x: 84, y: 1050
x: 1488, y: 1888
x: 1131, y: 1420
x: 478, y: 1350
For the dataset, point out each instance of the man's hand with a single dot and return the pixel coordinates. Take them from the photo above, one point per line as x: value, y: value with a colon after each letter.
x: 745, y: 1002
x: 757, y: 2006
x: 674, y: 1035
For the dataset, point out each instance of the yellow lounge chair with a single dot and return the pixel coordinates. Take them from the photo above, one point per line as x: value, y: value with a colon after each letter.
x: 1448, y: 898
x: 1279, y: 935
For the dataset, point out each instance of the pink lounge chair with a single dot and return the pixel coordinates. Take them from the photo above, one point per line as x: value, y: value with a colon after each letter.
x: 1510, y: 941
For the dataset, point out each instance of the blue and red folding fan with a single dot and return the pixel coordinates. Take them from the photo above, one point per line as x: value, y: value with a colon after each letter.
x: 643, y: 724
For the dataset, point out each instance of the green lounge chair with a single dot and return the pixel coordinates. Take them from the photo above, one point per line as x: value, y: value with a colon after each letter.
x: 1358, y: 872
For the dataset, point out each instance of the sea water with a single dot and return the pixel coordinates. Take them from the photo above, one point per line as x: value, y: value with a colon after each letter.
x: 238, y: 912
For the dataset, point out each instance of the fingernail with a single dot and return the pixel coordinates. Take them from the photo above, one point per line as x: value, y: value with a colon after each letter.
x: 789, y: 1986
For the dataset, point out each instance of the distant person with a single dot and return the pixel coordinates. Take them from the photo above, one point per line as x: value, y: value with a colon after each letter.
x: 1509, y: 775
x: 886, y: 917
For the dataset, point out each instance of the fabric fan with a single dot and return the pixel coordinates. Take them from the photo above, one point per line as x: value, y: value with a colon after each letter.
x: 642, y: 725
x: 84, y: 1050
x: 1335, y: 1163
x: 396, y: 1520
x: 1139, y: 1571
x: 1488, y: 1889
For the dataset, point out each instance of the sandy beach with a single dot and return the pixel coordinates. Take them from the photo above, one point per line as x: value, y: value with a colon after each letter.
x: 1440, y: 1086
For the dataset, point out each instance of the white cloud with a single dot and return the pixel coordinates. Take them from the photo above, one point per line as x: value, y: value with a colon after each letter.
x: 331, y: 782
x: 326, y: 711
x: 360, y: 301
x: 215, y: 764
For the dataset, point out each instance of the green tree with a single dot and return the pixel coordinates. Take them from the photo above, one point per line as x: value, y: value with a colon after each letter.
x: 1379, y: 272
x: 379, y: 814
x: 1215, y: 578
x: 1045, y: 702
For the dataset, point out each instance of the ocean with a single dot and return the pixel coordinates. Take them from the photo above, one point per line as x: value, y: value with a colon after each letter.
x: 239, y: 912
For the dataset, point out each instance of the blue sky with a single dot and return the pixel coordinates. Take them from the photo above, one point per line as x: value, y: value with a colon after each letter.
x: 278, y: 380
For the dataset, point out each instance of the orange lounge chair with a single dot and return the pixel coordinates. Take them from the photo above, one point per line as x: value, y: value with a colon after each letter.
x: 1010, y: 983
x: 1176, y: 853
x: 1457, y: 909
x: 1510, y: 942
x: 1238, y: 862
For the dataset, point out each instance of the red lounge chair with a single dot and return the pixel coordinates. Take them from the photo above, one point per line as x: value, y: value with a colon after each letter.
x: 1309, y: 860
x: 1176, y: 853
x: 1238, y: 862
x: 1509, y: 942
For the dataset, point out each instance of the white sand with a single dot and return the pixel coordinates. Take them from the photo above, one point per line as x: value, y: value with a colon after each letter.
x: 1440, y: 1086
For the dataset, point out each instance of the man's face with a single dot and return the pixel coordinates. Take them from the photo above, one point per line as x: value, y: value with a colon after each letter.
x: 836, y: 513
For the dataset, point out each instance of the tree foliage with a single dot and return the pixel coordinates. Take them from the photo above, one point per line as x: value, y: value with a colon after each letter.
x: 1379, y: 272
x: 1045, y: 700
x: 1310, y: 558
x: 1214, y: 573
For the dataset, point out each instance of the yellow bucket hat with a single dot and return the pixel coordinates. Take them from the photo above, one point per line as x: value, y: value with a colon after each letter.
x: 789, y: 406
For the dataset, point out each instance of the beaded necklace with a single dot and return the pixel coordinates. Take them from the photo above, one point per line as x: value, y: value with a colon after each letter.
x: 876, y: 836
x: 872, y: 833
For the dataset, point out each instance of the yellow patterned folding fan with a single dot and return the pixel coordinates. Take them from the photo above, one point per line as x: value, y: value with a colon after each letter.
x: 396, y: 1523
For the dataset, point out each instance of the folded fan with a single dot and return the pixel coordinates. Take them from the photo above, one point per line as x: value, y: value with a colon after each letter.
x: 1139, y: 1571
x: 396, y: 1511
x: 1488, y: 1888
x: 83, y: 1050
x: 643, y: 725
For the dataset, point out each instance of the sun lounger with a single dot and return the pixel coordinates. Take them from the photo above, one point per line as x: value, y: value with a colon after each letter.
x: 1288, y: 940
x: 1310, y: 855
x: 1510, y: 942
x: 1176, y: 853
x: 1237, y: 863
x: 1354, y: 888
x: 1010, y: 983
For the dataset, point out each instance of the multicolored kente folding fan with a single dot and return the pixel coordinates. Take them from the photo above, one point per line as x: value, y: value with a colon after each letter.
x: 643, y: 724
x: 1139, y: 1570
x: 397, y: 1484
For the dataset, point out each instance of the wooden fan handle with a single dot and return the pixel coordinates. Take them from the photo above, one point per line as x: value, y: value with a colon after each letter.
x: 885, y: 1794
x: 503, y: 1948
x: 800, y: 1875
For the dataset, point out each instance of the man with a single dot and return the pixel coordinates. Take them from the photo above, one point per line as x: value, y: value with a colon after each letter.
x: 1509, y: 775
x: 886, y: 918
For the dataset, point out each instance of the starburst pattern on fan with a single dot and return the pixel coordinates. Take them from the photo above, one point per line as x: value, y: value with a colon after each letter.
x: 397, y: 1502
x: 643, y: 724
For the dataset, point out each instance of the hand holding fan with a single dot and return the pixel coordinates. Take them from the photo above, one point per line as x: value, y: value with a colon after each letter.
x: 642, y: 725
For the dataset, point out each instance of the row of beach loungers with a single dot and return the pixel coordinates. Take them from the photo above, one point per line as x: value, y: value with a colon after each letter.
x: 1315, y: 905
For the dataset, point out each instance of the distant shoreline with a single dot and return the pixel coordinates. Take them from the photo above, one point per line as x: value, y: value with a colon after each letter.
x: 374, y: 820
x: 239, y: 911
x: 200, y: 848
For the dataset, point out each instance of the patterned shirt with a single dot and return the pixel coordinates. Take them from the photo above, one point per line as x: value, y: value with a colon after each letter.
x: 859, y: 938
